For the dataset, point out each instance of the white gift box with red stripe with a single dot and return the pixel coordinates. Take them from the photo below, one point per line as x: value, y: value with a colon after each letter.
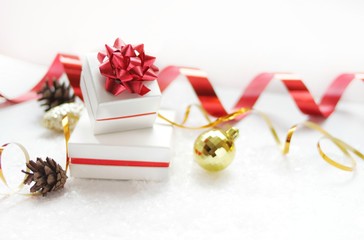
x: 109, y: 113
x: 142, y: 154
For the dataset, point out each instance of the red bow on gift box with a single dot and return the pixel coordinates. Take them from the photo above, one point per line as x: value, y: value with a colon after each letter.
x: 126, y: 67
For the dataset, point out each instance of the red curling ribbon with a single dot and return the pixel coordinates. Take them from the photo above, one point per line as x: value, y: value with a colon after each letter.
x: 63, y: 63
x: 71, y: 65
x: 297, y: 89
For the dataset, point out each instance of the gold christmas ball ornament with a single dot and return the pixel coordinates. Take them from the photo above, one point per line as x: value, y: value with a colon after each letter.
x: 52, y: 119
x: 214, y: 150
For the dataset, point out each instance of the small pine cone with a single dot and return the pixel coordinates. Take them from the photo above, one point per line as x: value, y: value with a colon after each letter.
x: 47, y: 176
x: 55, y: 94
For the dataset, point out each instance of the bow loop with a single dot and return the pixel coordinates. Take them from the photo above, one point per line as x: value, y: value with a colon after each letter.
x: 126, y: 67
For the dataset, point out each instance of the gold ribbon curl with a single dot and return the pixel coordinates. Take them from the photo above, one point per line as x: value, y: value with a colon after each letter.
x: 2, y: 176
x: 67, y: 133
x: 345, y: 148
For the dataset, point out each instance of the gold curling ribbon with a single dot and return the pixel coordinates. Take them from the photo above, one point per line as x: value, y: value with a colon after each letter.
x: 67, y: 134
x: 66, y: 131
x: 2, y: 176
x: 345, y: 148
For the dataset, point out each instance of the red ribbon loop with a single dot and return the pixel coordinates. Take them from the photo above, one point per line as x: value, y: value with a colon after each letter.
x: 63, y: 63
x: 297, y: 89
x: 71, y: 65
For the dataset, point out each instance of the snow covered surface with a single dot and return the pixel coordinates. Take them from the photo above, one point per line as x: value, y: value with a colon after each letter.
x: 262, y: 195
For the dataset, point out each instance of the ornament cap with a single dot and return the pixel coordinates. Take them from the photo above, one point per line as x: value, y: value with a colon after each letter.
x: 232, y: 133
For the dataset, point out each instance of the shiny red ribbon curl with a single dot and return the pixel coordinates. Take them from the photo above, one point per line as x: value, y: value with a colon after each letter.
x: 62, y: 63
x: 71, y: 65
x: 126, y: 67
x: 296, y: 88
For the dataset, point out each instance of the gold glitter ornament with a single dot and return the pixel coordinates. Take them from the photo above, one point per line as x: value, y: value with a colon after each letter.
x: 52, y: 119
x: 214, y: 150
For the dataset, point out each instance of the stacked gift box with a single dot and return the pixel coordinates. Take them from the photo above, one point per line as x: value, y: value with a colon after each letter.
x: 120, y: 136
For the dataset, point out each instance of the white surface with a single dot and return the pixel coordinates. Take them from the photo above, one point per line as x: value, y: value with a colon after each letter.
x: 233, y: 40
x: 262, y: 195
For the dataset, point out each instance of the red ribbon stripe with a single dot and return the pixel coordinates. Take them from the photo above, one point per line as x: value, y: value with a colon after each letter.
x: 120, y: 163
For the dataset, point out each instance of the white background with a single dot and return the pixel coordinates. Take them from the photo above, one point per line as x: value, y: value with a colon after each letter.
x: 232, y: 40
x: 262, y: 195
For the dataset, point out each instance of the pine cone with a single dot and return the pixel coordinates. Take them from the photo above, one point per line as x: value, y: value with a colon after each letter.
x: 47, y: 175
x: 55, y: 94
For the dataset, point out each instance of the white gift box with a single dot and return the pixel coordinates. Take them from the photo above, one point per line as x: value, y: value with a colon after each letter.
x: 109, y: 113
x: 142, y: 154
